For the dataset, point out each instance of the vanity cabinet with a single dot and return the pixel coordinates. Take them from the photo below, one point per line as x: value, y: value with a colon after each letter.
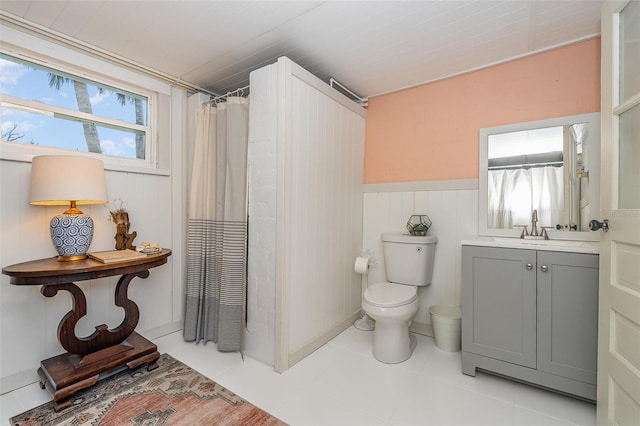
x: 531, y: 315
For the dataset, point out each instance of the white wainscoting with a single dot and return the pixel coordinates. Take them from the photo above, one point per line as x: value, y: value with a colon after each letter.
x: 306, y: 154
x: 453, y: 209
x: 326, y: 148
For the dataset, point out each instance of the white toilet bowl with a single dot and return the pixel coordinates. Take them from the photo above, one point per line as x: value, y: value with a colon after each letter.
x: 408, y: 262
x: 392, y: 306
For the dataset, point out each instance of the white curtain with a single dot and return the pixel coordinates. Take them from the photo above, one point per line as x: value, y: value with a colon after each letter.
x: 515, y: 193
x: 217, y: 226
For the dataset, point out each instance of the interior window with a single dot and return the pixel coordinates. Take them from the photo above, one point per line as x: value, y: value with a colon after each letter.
x: 43, y: 106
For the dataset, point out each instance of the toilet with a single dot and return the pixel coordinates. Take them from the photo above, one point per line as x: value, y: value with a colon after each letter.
x: 408, y: 261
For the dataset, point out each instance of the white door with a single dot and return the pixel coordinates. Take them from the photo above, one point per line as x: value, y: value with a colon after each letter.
x: 619, y: 311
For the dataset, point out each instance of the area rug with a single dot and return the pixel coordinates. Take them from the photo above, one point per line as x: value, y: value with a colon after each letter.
x: 172, y: 394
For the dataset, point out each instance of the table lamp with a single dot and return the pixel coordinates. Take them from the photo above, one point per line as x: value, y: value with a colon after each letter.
x: 62, y: 180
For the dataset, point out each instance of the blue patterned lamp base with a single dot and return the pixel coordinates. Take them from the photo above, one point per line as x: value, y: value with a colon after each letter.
x: 71, y: 235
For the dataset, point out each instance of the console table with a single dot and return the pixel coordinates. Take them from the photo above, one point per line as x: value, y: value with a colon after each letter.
x: 106, y: 350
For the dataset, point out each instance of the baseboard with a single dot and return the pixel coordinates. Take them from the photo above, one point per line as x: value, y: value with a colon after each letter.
x: 309, y: 348
x: 163, y: 330
x: 18, y: 380
x: 421, y: 328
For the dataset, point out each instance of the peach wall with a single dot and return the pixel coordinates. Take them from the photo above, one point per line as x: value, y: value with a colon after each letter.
x: 431, y: 132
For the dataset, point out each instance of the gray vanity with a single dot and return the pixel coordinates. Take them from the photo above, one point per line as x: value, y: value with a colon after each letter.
x: 530, y: 311
x: 530, y: 304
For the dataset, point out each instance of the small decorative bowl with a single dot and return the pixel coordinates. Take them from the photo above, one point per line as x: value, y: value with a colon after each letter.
x: 418, y: 224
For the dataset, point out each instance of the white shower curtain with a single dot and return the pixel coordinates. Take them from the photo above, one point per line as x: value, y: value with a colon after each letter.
x: 515, y: 193
x: 217, y: 226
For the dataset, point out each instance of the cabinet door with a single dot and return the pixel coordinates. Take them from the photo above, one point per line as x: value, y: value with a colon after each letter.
x: 499, y: 304
x: 568, y: 314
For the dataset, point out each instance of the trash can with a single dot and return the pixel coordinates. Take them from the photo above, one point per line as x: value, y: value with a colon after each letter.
x: 446, y: 326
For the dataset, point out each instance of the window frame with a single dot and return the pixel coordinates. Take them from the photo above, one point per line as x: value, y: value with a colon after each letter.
x: 25, y: 152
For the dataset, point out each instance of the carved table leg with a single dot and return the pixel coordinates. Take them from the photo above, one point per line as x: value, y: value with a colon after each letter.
x: 103, y: 337
x: 105, y: 350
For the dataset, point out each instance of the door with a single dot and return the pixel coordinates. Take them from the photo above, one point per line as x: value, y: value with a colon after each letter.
x: 499, y: 302
x: 619, y: 311
x: 568, y: 314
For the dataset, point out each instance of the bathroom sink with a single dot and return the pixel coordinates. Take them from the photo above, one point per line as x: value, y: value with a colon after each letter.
x: 536, y: 244
x: 541, y: 242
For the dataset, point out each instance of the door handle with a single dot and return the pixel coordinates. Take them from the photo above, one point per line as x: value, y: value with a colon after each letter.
x: 529, y: 266
x: 594, y: 225
x: 544, y: 268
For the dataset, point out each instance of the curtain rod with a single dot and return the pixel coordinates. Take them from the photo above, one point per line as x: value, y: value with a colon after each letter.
x: 239, y: 91
x: 526, y: 166
x: 47, y: 33
x: 363, y: 102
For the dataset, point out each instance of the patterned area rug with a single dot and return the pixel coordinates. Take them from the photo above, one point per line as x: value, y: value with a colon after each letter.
x: 172, y: 394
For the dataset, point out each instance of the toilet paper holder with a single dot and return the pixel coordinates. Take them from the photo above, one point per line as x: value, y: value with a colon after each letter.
x: 371, y: 254
x: 365, y: 323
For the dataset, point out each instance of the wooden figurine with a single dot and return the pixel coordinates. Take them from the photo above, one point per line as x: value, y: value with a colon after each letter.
x: 124, y: 239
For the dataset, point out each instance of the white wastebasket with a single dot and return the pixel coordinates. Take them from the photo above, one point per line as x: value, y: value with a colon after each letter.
x: 446, y: 326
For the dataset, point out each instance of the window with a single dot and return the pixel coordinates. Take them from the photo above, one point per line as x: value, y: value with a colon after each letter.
x: 46, y: 107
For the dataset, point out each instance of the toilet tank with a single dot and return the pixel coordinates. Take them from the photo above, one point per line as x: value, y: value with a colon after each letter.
x: 408, y: 259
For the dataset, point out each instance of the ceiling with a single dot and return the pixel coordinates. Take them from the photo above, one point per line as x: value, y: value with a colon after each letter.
x: 373, y: 47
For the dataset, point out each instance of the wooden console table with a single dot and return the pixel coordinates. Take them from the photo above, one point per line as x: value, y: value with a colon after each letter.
x: 105, y: 350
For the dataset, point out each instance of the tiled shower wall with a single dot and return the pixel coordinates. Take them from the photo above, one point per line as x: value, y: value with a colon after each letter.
x: 452, y: 206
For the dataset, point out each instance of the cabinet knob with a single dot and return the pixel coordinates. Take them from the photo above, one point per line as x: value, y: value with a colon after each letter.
x: 529, y: 266
x: 544, y: 268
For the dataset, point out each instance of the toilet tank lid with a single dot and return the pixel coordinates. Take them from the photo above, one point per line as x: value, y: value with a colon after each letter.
x: 400, y: 237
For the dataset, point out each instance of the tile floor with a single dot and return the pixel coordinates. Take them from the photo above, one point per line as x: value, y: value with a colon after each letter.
x: 342, y: 384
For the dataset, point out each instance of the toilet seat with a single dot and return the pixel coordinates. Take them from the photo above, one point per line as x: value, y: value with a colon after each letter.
x: 390, y: 295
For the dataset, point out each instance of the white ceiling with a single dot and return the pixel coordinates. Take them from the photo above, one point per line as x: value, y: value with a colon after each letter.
x: 373, y: 47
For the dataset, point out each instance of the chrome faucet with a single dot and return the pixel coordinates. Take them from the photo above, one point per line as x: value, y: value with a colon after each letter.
x: 534, y: 227
x: 534, y: 221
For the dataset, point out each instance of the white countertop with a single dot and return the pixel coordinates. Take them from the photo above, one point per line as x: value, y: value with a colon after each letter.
x: 535, y: 244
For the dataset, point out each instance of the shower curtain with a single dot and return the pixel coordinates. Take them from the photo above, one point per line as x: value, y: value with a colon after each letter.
x: 514, y: 193
x: 217, y: 226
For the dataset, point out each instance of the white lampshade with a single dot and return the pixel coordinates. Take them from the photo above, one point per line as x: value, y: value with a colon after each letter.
x: 62, y: 180
x: 56, y: 180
